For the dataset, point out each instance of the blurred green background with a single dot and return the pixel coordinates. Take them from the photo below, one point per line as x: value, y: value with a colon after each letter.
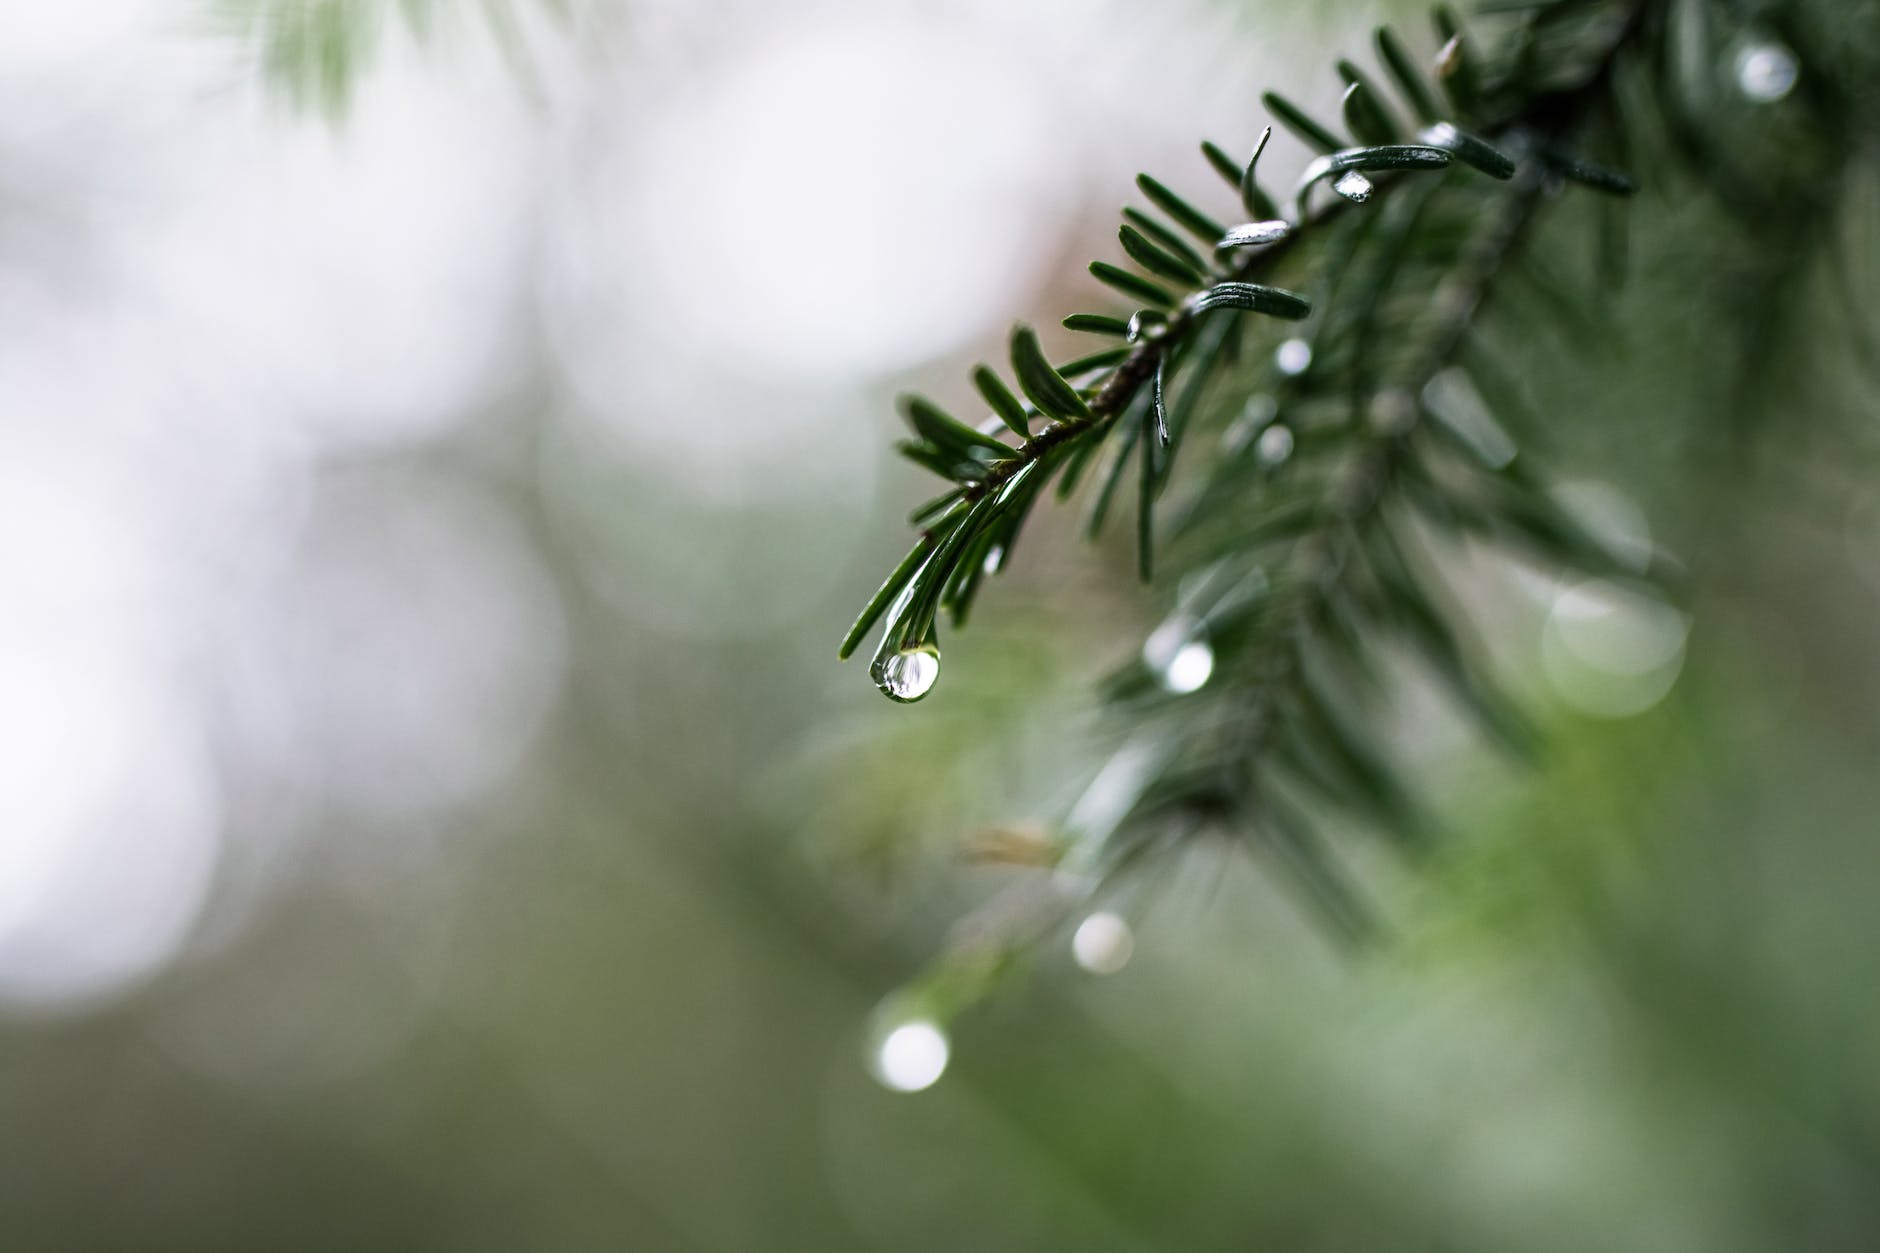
x: 430, y: 812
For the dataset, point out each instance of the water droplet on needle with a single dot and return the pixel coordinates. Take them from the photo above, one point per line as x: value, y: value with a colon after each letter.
x: 1766, y: 72
x: 909, y: 674
x: 911, y: 1057
x: 1275, y: 444
x: 1103, y: 943
x: 1179, y: 655
x: 1294, y: 357
x: 1353, y: 186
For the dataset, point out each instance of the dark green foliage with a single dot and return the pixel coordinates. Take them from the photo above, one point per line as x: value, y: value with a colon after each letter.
x: 1294, y: 119
x: 1204, y: 228
x: 1096, y: 324
x: 1456, y: 67
x: 1044, y: 385
x: 1301, y: 542
x: 1270, y: 300
x: 1157, y: 260
x: 1093, y: 362
x: 946, y: 433
x: 1007, y: 406
x: 1223, y: 164
x: 1365, y: 114
x: 1471, y: 148
x: 1168, y: 239
x: 1598, y: 177
x: 1404, y: 72
x: 1131, y: 285
x: 871, y: 612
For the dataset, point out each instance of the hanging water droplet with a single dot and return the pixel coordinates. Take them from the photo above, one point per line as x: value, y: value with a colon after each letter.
x: 1190, y: 668
x: 1179, y: 655
x: 909, y: 674
x: 912, y: 1056
x: 1353, y: 186
x: 1103, y: 943
x: 1146, y: 324
x: 1766, y: 71
x: 1276, y: 444
x: 1294, y: 357
x: 995, y: 559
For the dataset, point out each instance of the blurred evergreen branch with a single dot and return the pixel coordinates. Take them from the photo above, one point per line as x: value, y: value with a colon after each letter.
x: 315, y: 51
x: 1384, y: 419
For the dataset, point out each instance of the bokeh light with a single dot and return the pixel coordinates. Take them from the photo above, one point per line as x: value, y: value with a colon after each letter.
x: 912, y: 1056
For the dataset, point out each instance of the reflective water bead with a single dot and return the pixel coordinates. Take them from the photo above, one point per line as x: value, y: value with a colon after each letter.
x: 1190, y: 668
x: 1353, y: 185
x: 910, y: 674
x: 912, y: 1056
x: 1766, y: 71
x: 1179, y: 655
x: 1294, y: 357
x: 1276, y: 444
x: 1103, y: 943
x: 1146, y: 324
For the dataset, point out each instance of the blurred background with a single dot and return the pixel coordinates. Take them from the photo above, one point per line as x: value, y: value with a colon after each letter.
x: 440, y: 448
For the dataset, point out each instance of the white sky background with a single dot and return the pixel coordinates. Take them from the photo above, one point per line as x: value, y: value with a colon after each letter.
x: 215, y: 313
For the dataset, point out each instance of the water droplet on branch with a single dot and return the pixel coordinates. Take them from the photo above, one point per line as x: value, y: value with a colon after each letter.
x: 1766, y: 71
x: 911, y: 1057
x: 908, y: 675
x: 1353, y: 186
x: 1103, y: 944
x: 1294, y: 357
x: 1146, y: 325
x: 1275, y: 445
x: 1179, y: 655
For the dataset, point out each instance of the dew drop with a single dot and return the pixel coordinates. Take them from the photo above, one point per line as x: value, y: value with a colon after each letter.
x: 908, y: 675
x: 995, y: 559
x: 1179, y: 655
x: 1103, y: 944
x: 912, y: 1056
x: 1294, y: 357
x: 1146, y: 325
x: 1353, y: 186
x: 1766, y: 71
x: 1190, y: 668
x: 1275, y: 445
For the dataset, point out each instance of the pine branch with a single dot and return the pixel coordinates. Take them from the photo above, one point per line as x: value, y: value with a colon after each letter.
x: 1249, y: 685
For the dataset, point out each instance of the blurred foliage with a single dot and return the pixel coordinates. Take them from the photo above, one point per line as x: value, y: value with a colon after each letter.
x: 315, y: 51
